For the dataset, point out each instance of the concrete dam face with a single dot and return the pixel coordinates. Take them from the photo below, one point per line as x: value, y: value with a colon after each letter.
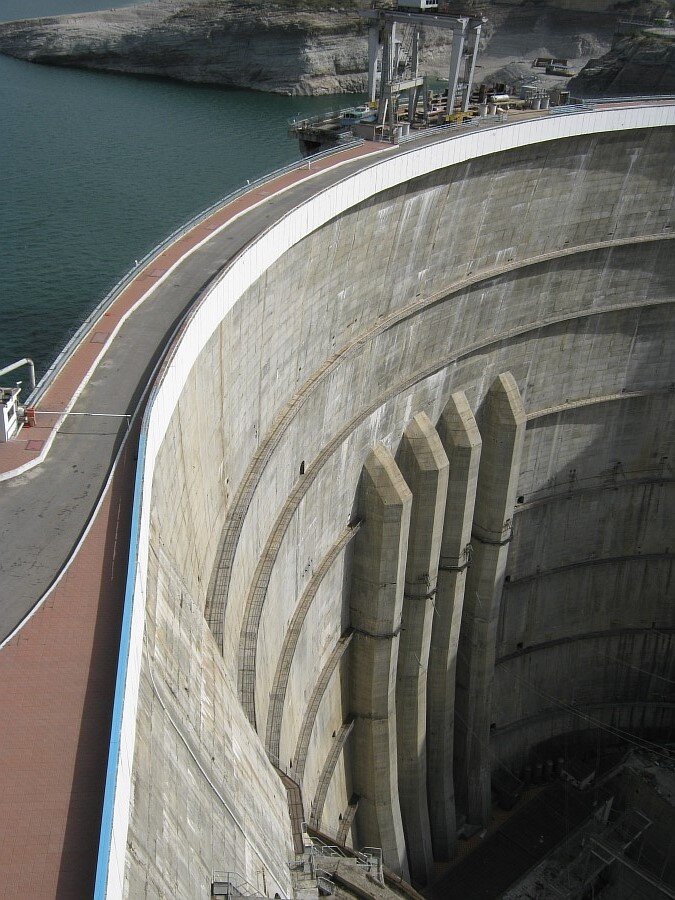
x: 407, y: 520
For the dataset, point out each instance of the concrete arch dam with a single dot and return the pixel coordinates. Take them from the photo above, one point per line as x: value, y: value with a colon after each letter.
x: 407, y: 504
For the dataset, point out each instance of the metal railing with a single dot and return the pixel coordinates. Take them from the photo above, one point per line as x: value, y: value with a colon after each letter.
x: 582, y: 105
x: 658, y: 23
x: 231, y: 884
x: 19, y: 364
x: 476, y: 121
x: 589, y: 104
x: 125, y: 653
x: 570, y: 109
x: 52, y: 371
x: 328, y: 116
x: 635, y: 98
x: 324, y: 883
x: 320, y: 849
x: 370, y: 859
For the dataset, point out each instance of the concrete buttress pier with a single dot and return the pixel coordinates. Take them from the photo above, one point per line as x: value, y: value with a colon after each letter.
x: 502, y: 426
x: 424, y: 465
x: 375, y: 609
x: 462, y: 442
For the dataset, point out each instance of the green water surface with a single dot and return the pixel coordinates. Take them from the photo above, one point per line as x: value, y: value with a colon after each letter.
x: 96, y: 169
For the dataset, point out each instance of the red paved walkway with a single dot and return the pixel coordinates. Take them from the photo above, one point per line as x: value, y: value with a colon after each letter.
x: 58, y: 672
x: 58, y: 677
x: 29, y: 443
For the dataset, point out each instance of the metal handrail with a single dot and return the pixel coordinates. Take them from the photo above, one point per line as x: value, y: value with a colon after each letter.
x: 372, y: 857
x: 334, y: 114
x: 105, y: 840
x: 451, y: 126
x: 635, y: 98
x: 324, y: 882
x: 58, y: 363
x: 320, y: 117
x: 321, y: 849
x: 17, y: 365
x: 570, y: 109
x: 646, y: 23
x: 239, y: 885
x: 638, y: 98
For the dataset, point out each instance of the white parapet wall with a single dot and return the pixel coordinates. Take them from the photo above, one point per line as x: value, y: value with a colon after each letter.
x: 234, y: 281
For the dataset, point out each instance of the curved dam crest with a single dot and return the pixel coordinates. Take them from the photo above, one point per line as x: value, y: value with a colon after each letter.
x: 494, y: 307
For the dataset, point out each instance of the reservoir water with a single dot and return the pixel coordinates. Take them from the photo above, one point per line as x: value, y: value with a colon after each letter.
x: 96, y: 169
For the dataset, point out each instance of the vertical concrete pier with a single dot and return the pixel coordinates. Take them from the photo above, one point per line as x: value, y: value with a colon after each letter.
x: 424, y: 465
x: 459, y: 434
x: 375, y: 603
x: 456, y: 57
x: 503, y: 430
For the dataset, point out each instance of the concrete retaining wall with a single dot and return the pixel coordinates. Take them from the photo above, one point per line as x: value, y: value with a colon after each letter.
x: 539, y: 249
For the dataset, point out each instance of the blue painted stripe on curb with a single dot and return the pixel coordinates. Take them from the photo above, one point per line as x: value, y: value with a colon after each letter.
x: 105, y: 839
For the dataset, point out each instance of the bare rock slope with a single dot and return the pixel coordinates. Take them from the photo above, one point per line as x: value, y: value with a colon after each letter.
x: 271, y: 47
x: 637, y: 64
x: 296, y: 46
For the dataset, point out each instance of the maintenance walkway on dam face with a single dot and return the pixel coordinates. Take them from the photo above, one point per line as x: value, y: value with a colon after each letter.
x: 58, y: 669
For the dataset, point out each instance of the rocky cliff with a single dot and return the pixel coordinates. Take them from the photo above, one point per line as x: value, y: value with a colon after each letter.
x: 636, y: 64
x: 295, y: 46
x: 280, y: 47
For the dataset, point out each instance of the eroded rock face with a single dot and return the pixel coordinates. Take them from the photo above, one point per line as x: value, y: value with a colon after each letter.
x: 243, y: 44
x: 297, y: 46
x: 637, y: 64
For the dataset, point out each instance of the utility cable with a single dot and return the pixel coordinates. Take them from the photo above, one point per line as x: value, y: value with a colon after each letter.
x: 486, y: 746
x: 612, y: 729
x: 627, y: 736
x: 638, y: 669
